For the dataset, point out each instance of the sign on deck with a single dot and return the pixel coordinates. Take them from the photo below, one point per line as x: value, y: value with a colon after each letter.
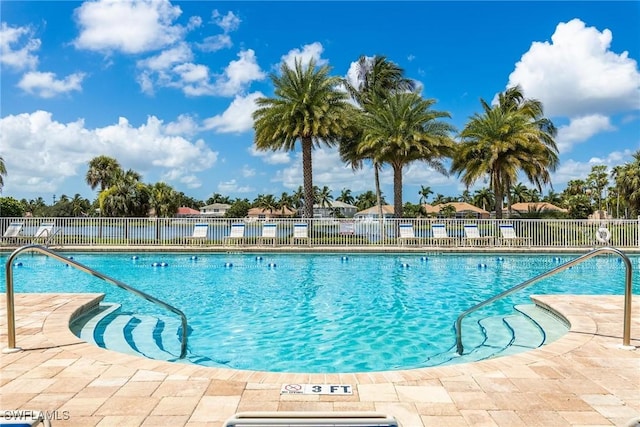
x: 333, y: 389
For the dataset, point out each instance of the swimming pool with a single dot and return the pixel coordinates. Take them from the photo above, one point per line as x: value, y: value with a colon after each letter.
x: 321, y: 312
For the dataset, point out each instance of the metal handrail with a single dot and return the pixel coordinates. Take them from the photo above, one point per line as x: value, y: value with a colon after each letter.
x: 626, y: 338
x: 11, y: 322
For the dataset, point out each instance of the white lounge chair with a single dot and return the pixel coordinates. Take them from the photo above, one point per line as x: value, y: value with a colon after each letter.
x: 43, y: 233
x: 199, y: 234
x: 509, y: 236
x: 13, y: 233
x: 440, y: 235
x: 300, y: 232
x: 406, y: 234
x: 472, y: 236
x: 236, y: 234
x: 269, y: 232
x: 336, y: 419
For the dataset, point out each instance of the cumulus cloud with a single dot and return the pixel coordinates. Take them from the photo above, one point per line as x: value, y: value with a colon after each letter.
x: 17, y: 45
x: 128, y: 27
x: 571, y: 169
x: 173, y: 68
x: 581, y: 129
x: 215, y: 43
x: 45, y: 85
x: 577, y: 74
x: 239, y: 74
x: 237, y: 117
x: 271, y: 157
x: 42, y: 153
x: 304, y: 55
x: 229, y: 22
x: 232, y: 186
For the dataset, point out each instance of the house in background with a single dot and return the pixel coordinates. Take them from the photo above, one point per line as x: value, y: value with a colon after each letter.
x: 463, y: 210
x: 372, y: 213
x: 185, y: 212
x: 538, y: 207
x: 215, y: 210
x: 344, y: 209
x: 259, y: 213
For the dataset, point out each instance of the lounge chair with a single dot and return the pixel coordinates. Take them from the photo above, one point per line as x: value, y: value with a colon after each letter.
x: 472, y: 236
x: 236, y: 234
x: 440, y: 235
x: 406, y: 234
x: 43, y: 233
x: 199, y: 234
x: 509, y: 236
x: 269, y: 231
x: 300, y: 232
x: 13, y: 233
x: 336, y: 419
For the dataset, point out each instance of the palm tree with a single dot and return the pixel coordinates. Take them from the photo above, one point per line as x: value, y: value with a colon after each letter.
x: 3, y: 172
x: 102, y: 170
x: 308, y: 106
x: 127, y: 196
x: 424, y: 194
x: 483, y: 198
x: 510, y: 137
x: 266, y: 202
x: 324, y: 197
x: 79, y: 205
x: 367, y: 199
x: 628, y: 183
x: 346, y: 197
x: 403, y: 128
x: 163, y: 199
x: 377, y: 77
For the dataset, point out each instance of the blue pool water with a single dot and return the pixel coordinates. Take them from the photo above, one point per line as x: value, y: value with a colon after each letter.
x: 321, y: 312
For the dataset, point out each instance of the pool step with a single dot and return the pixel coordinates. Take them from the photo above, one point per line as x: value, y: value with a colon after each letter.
x: 531, y: 327
x: 140, y: 335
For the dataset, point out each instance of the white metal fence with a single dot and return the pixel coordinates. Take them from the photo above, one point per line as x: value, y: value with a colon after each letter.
x: 339, y: 233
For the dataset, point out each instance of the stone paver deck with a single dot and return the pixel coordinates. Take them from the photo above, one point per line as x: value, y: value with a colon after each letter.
x: 583, y: 379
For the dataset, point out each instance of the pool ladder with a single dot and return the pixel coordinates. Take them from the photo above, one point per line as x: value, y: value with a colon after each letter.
x: 626, y: 337
x: 11, y: 321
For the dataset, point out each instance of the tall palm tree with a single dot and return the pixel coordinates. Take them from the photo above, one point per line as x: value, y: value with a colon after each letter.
x: 403, y: 128
x: 510, y: 137
x: 324, y: 197
x: 628, y: 182
x: 367, y: 199
x: 127, y: 196
x: 102, y: 170
x: 483, y: 198
x: 163, y: 199
x: 266, y: 202
x: 377, y: 77
x: 308, y: 106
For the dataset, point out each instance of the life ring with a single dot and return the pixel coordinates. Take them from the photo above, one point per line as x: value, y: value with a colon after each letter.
x: 603, y: 235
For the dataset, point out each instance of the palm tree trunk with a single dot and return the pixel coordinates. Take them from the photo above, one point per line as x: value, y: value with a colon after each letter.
x: 497, y: 190
x: 307, y: 171
x: 397, y: 191
x: 376, y: 174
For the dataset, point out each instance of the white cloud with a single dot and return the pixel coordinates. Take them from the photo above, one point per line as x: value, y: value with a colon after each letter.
x: 577, y: 74
x: 229, y: 22
x: 581, y: 129
x: 271, y: 157
x: 304, y: 55
x: 41, y: 153
x: 232, y: 186
x: 248, y: 171
x: 236, y: 118
x: 18, y: 57
x: 215, y: 43
x: 184, y: 125
x: 127, y: 26
x: 239, y: 74
x: 178, y: 54
x: 571, y: 169
x: 45, y: 85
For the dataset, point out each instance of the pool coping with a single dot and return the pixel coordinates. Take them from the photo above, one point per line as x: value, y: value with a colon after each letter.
x: 582, y: 378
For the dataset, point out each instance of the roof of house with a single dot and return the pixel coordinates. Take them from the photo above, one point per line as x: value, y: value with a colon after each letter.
x: 536, y: 207
x: 216, y: 206
x: 276, y: 212
x: 461, y: 207
x: 335, y: 204
x: 187, y: 211
x: 386, y: 209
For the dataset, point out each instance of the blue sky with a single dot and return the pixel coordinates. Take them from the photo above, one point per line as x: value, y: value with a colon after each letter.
x: 168, y: 88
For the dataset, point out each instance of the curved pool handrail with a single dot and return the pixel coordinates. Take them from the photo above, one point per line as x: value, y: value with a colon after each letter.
x: 11, y: 323
x: 626, y: 337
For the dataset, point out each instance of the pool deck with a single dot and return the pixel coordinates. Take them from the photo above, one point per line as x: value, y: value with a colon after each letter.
x: 583, y: 379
